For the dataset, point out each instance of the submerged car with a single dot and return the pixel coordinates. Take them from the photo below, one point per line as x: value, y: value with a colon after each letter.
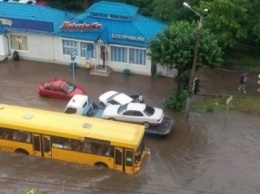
x: 136, y: 113
x: 81, y: 105
x: 114, y: 98
x: 59, y: 88
x: 117, y: 98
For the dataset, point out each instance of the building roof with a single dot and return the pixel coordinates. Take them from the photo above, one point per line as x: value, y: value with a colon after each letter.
x: 113, y: 23
x: 34, y: 13
x: 120, y: 24
x: 116, y: 9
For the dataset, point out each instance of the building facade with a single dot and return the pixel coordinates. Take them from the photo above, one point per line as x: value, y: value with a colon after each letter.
x: 107, y: 34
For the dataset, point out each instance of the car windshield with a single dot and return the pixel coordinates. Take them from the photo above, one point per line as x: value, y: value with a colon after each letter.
x: 121, y: 108
x: 111, y: 97
x: 68, y: 87
x: 149, y: 111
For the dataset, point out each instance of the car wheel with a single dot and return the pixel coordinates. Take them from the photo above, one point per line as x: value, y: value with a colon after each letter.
x: 111, y: 119
x: 147, y: 125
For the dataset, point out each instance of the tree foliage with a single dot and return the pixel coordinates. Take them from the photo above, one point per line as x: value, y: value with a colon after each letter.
x: 227, y: 20
x: 174, y: 47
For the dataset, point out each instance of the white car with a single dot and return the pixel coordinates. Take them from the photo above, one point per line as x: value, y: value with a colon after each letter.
x: 114, y: 98
x: 134, y: 112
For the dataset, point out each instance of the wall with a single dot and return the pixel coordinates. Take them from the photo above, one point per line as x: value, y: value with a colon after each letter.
x: 4, y: 49
x: 48, y: 48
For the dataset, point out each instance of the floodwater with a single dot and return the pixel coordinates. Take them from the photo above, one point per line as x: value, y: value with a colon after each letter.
x: 210, y: 153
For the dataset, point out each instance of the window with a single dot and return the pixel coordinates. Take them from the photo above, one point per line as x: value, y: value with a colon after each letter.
x: 87, y: 50
x: 137, y: 56
x: 71, y: 110
x: 19, y: 42
x: 118, y: 54
x: 149, y: 111
x: 138, y: 113
x: 60, y: 142
x: 129, y: 113
x: 15, y: 135
x: 69, y: 46
x: 129, y: 158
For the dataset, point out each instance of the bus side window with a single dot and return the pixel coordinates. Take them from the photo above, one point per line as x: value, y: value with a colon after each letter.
x: 7, y: 134
x: 1, y: 133
x: 110, y: 151
x: 102, y: 150
x: 87, y: 147
x: 76, y: 145
x: 60, y: 142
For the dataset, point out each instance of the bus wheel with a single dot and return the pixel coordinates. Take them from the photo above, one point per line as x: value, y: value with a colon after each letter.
x: 21, y: 151
x: 101, y: 165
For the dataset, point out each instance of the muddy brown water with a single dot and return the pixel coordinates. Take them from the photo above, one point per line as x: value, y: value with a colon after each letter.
x: 210, y: 153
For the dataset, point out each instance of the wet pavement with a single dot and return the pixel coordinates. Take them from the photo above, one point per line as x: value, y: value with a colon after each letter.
x: 210, y: 153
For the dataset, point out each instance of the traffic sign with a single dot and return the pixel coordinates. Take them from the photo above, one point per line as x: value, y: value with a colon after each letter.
x: 229, y: 99
x: 73, y: 55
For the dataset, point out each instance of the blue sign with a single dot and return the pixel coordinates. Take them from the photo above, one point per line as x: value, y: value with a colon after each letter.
x: 26, y: 24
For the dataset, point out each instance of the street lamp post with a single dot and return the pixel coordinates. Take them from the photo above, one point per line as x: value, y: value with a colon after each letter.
x: 192, y: 73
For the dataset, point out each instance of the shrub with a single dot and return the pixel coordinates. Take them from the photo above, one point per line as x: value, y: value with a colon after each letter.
x: 176, y: 100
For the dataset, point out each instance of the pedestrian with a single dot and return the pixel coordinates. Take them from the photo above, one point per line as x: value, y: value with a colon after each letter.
x: 258, y: 83
x: 103, y: 57
x: 140, y: 98
x: 242, y: 81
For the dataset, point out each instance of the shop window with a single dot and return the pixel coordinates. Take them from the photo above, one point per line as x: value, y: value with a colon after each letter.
x: 19, y: 42
x: 87, y: 50
x: 118, y: 54
x: 137, y: 56
x: 68, y: 46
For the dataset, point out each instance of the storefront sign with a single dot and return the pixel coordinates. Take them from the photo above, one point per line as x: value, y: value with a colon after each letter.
x: 32, y: 25
x: 127, y: 37
x: 84, y: 26
x: 6, y: 22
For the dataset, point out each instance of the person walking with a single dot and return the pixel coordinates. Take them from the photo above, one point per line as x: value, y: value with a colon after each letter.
x: 242, y: 81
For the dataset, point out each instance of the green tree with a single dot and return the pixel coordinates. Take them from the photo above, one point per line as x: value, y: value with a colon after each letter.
x: 174, y: 47
x: 75, y: 5
x: 227, y: 20
x: 253, y: 24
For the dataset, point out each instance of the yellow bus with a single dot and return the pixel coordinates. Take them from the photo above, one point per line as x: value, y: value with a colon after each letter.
x: 72, y: 138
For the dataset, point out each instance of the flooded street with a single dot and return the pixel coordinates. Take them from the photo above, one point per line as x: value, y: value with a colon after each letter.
x: 212, y: 153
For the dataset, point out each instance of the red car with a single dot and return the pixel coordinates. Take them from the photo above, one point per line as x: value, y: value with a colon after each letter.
x: 59, y: 88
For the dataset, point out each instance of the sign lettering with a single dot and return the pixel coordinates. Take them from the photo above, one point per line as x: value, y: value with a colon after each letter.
x: 127, y: 37
x: 84, y: 26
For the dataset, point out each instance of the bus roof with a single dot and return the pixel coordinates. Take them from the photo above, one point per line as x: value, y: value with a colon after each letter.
x: 70, y: 125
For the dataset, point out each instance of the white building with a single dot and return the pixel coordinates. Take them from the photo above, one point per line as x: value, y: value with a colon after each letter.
x: 112, y: 32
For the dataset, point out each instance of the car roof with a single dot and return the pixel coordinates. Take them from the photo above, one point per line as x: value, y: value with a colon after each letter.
x: 78, y: 100
x: 123, y: 98
x: 136, y: 106
x: 56, y: 82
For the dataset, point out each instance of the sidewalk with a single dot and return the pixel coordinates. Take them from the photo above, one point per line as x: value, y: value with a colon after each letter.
x: 3, y: 59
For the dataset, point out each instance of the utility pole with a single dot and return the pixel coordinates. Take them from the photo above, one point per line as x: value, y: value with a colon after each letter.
x: 192, y: 73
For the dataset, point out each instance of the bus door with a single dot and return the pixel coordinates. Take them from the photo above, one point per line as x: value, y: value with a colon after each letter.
x: 41, y: 145
x: 119, y: 159
x: 129, y: 161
